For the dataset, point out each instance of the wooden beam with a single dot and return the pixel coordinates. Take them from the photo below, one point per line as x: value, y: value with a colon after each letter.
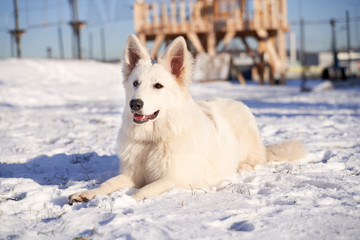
x: 194, y: 39
x: 228, y: 37
x: 277, y: 57
x: 142, y: 38
x: 248, y: 49
x: 158, y: 41
x: 270, y: 48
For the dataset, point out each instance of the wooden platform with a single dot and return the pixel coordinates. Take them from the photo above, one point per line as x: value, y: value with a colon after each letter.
x: 205, y: 23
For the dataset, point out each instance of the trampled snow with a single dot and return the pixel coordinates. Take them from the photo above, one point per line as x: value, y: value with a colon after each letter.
x: 58, y: 127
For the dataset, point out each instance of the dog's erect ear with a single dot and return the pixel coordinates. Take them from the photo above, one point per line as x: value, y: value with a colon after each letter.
x: 178, y: 60
x: 134, y: 51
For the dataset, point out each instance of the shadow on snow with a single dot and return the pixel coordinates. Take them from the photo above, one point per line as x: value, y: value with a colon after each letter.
x: 61, y: 168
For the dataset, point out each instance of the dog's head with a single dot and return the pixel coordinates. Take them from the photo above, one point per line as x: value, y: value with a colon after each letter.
x: 154, y: 88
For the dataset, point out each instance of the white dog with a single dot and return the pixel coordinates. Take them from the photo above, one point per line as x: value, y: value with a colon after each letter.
x: 167, y: 140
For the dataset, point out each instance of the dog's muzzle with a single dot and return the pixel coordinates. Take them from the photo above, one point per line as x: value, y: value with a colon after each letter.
x: 136, y: 105
x: 139, y: 118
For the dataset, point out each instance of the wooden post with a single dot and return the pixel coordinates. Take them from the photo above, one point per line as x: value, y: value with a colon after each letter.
x: 145, y: 16
x: 76, y: 26
x: 173, y: 16
x: 191, y: 15
x: 199, y: 20
x: 211, y: 35
x: 284, y: 15
x: 138, y: 21
x: 183, y: 23
x: 256, y: 14
x: 17, y: 32
x: 272, y: 40
x: 282, y: 55
x: 266, y: 14
x: 261, y: 64
x: 274, y: 14
x: 164, y: 17
x: 238, y: 19
x: 240, y: 78
x: 155, y: 10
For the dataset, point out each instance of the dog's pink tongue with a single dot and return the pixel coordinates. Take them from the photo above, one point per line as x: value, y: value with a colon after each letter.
x: 139, y: 117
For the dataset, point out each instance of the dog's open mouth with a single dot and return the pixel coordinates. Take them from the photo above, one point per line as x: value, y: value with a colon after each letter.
x: 138, y: 118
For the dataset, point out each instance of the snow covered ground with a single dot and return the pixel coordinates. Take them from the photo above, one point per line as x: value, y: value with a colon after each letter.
x: 58, y: 127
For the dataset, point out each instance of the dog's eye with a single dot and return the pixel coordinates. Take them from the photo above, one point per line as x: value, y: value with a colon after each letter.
x: 158, y: 86
x: 135, y: 83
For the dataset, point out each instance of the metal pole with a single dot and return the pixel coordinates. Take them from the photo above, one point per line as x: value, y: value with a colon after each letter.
x: 333, y: 44
x: 78, y: 43
x: 355, y: 6
x: 12, y: 40
x: 73, y: 44
x: 356, y: 28
x: 90, y: 46
x: 302, y: 43
x: 302, y: 49
x: 17, y: 32
x: 61, y: 45
x: 348, y: 40
x: 103, y: 49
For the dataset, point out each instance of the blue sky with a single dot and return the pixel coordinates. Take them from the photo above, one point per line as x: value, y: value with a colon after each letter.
x: 115, y: 16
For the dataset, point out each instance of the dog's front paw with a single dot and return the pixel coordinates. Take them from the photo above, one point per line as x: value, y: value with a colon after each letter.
x: 81, y: 197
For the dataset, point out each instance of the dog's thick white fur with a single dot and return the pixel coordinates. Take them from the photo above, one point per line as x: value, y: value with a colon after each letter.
x: 167, y: 140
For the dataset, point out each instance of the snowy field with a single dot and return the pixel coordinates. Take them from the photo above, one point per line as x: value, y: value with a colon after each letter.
x: 58, y: 127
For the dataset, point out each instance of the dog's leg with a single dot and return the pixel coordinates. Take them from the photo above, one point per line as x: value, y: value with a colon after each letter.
x: 154, y: 188
x: 105, y: 188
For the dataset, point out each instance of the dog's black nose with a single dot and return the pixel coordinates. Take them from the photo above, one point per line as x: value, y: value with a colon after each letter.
x: 136, y: 104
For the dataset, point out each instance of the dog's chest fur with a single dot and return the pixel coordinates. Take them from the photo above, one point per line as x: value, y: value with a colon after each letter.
x: 148, y: 163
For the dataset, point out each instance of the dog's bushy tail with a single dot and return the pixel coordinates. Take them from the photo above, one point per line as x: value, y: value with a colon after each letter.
x: 288, y: 151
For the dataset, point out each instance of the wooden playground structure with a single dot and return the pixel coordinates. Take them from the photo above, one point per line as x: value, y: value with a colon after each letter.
x: 205, y: 23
